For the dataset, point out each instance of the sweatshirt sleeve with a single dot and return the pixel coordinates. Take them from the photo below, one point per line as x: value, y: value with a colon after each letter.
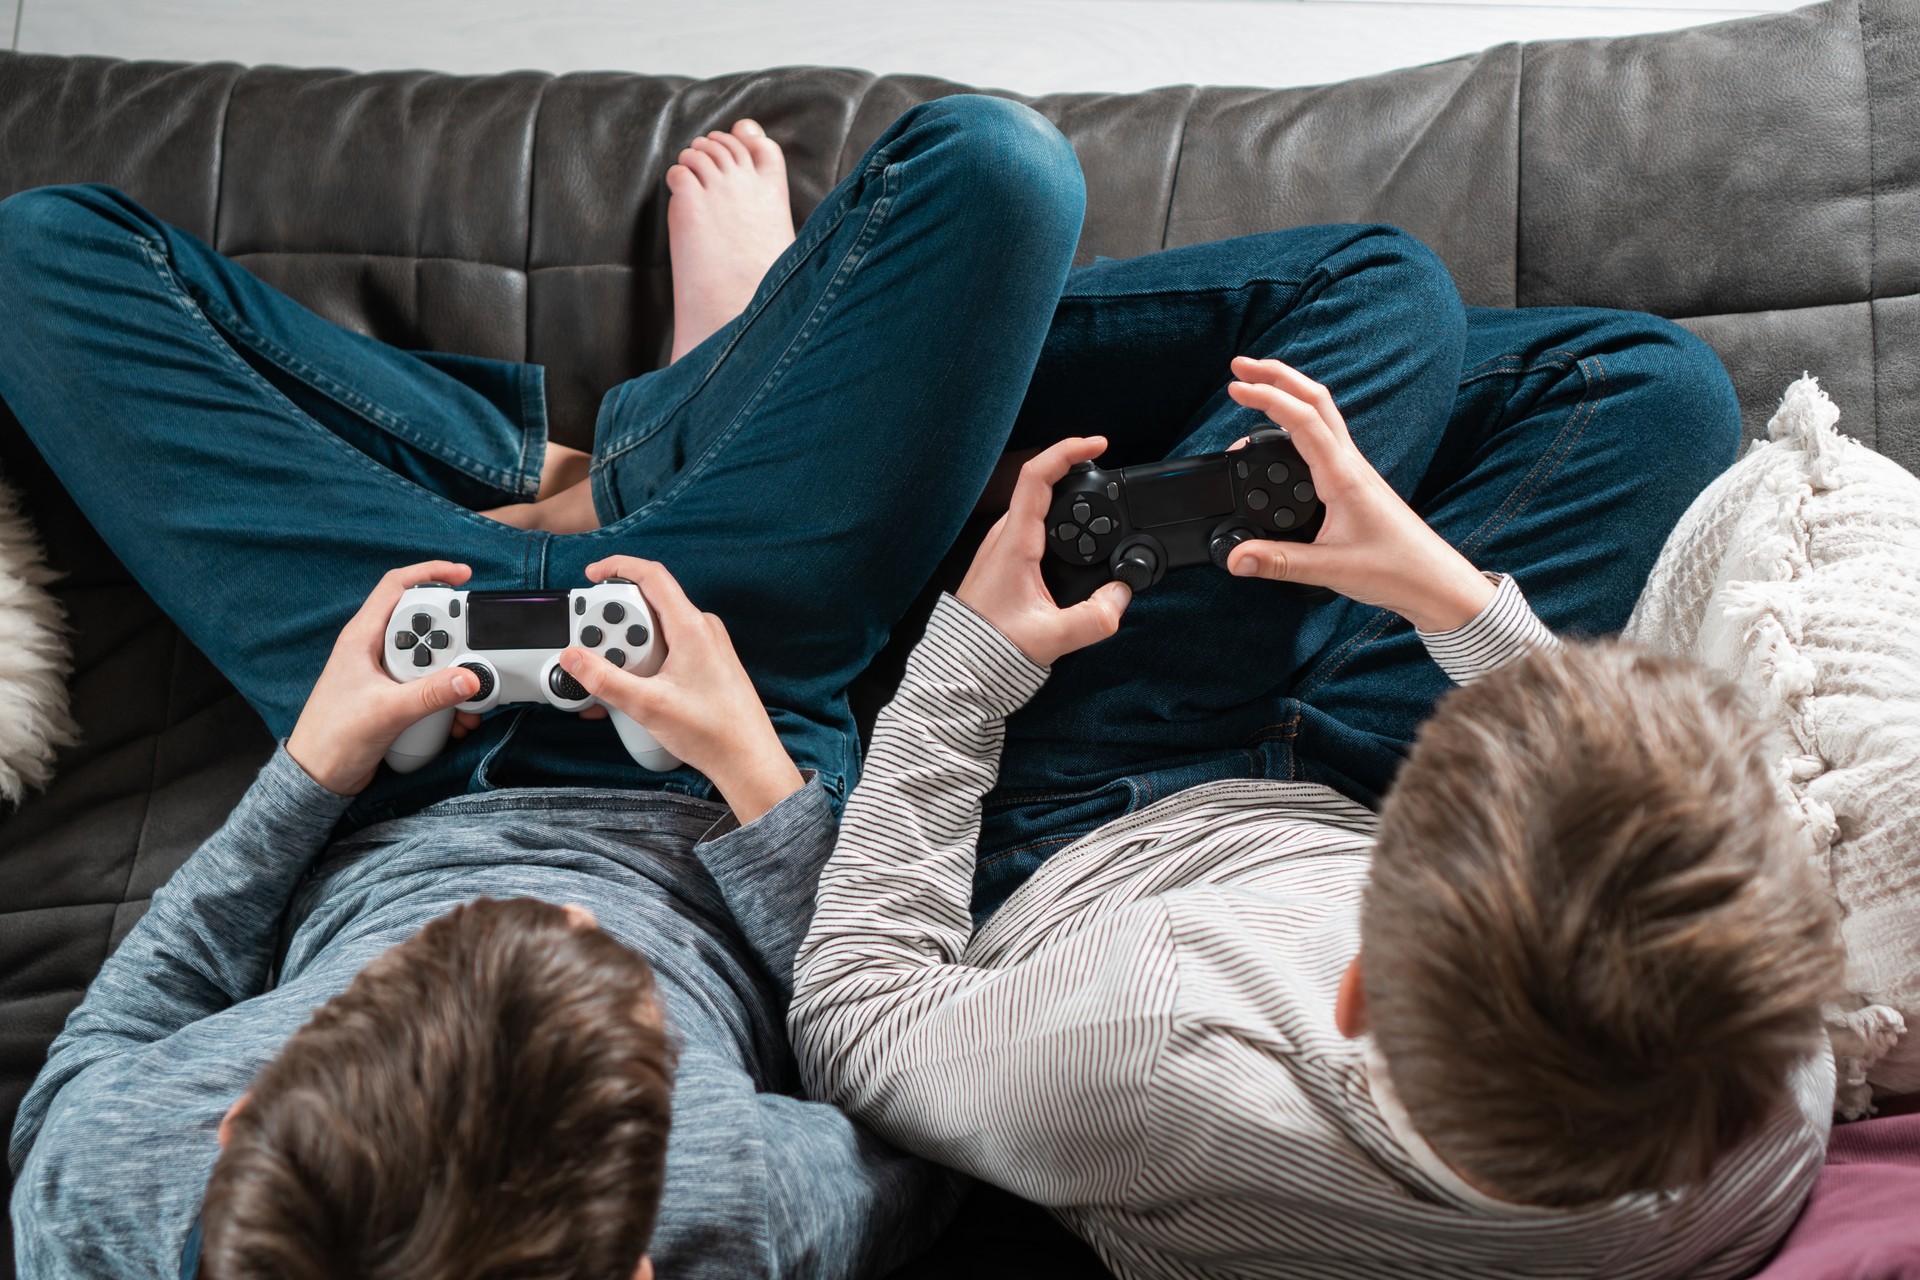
x: 955, y: 1062
x: 206, y: 941
x: 768, y: 871
x: 1504, y: 630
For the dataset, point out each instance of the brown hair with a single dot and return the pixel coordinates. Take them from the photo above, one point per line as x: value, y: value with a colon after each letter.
x: 1593, y: 944
x: 488, y: 1099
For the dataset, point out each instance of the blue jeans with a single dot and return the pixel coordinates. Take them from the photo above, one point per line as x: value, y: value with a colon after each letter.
x: 1559, y: 445
x: 801, y: 472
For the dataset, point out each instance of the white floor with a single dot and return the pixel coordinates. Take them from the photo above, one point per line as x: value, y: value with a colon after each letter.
x: 1025, y: 45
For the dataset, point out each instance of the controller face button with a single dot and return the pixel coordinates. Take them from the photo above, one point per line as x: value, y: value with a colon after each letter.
x: 1283, y: 518
x: 1100, y: 525
x: 1113, y: 491
x: 1277, y: 472
x: 1066, y: 532
x: 423, y: 657
x: 618, y: 657
x: 590, y: 635
x: 565, y: 686
x: 1257, y: 499
x: 439, y: 639
x: 404, y: 639
x: 579, y: 604
x: 1082, y: 512
x: 1086, y: 544
x: 453, y: 608
x: 614, y: 612
x: 1303, y: 492
x: 637, y: 635
x: 422, y: 624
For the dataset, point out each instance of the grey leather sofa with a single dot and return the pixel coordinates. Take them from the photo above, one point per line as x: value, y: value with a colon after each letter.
x: 1758, y: 180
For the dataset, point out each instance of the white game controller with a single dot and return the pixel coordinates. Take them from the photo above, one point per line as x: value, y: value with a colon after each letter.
x: 512, y: 641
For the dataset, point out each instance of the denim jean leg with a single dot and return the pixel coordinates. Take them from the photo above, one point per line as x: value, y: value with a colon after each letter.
x: 1578, y: 438
x: 1140, y: 350
x: 803, y: 471
x: 160, y: 381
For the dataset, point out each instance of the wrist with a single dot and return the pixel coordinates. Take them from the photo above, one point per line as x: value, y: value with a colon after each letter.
x: 754, y: 783
x: 1449, y: 598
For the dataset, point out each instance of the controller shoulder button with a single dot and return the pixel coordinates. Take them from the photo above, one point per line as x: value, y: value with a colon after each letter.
x: 616, y: 581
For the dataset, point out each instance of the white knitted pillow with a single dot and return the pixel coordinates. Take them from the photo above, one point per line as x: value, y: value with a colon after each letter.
x: 1798, y: 572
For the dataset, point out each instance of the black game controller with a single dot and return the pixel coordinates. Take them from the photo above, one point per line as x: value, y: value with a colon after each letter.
x: 1135, y: 523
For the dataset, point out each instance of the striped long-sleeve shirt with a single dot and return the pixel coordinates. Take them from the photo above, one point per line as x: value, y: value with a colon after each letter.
x: 1143, y: 1039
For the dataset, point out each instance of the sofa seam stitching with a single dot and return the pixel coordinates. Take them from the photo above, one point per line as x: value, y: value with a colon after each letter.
x: 220, y: 159
x: 1179, y: 156
x: 526, y: 248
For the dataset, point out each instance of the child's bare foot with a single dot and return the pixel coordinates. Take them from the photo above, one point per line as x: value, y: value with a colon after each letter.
x: 564, y: 503
x: 727, y: 221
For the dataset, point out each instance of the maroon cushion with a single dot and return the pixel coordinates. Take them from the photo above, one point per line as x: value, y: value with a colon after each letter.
x: 1861, y: 1222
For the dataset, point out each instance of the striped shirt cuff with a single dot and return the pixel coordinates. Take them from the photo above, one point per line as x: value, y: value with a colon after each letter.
x: 962, y: 646
x: 1499, y: 633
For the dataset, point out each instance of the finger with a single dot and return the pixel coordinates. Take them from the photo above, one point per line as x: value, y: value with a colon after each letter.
x: 1318, y: 446
x: 594, y: 712
x: 677, y: 614
x: 468, y: 720
x: 1096, y: 617
x: 607, y: 682
x: 1297, y: 384
x: 417, y: 699
x: 1302, y: 562
x: 1033, y: 491
x: 374, y: 614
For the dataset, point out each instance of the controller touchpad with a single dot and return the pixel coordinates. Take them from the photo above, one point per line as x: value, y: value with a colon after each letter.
x: 1172, y: 493
x: 517, y: 620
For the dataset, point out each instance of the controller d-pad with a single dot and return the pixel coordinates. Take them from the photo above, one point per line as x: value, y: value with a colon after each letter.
x: 423, y: 657
x: 422, y: 623
x: 614, y: 612
x: 1086, y: 544
x: 590, y: 636
x: 1082, y: 512
x: 1100, y: 524
x: 1257, y: 499
x: 618, y: 657
x: 439, y: 639
x: 637, y: 635
x: 405, y: 639
x: 565, y: 686
x: 1066, y: 532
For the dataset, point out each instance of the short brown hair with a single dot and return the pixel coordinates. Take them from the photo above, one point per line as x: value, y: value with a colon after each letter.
x: 1593, y: 945
x: 490, y: 1098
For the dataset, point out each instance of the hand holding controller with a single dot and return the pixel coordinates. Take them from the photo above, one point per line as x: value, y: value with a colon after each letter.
x: 511, y: 641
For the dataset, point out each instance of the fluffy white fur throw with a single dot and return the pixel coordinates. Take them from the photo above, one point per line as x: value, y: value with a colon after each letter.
x: 34, y: 660
x: 1798, y: 573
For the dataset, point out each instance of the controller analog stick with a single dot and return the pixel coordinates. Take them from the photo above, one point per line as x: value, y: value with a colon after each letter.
x: 1224, y: 542
x: 484, y: 674
x: 565, y: 686
x: 1138, y: 567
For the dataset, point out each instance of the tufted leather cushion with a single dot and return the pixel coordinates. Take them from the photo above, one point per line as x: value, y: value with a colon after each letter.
x: 1758, y: 180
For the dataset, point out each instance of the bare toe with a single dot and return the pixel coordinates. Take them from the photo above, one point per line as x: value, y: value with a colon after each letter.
x: 748, y: 127
x: 765, y: 151
x: 721, y: 155
x: 735, y: 147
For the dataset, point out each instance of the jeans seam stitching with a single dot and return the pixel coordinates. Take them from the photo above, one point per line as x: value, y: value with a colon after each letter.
x: 1550, y: 459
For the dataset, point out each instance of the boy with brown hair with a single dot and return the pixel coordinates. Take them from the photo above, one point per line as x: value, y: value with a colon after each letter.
x: 1555, y: 1011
